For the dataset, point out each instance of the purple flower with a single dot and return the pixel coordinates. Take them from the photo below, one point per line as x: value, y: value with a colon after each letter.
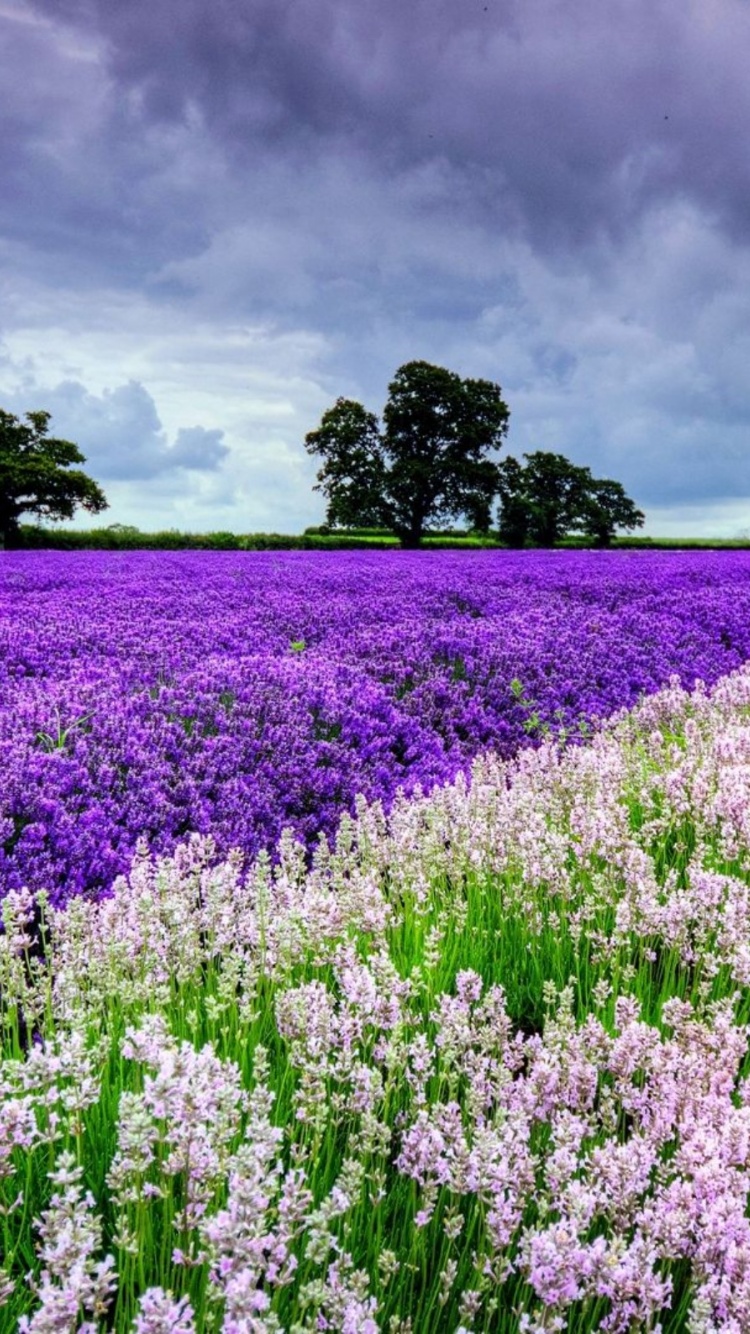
x: 158, y: 694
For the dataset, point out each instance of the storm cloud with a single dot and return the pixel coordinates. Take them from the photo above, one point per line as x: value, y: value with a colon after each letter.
x: 228, y: 214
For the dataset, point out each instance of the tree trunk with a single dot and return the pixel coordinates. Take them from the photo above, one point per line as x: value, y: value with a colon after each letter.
x: 9, y: 534
x: 411, y: 539
x: 10, y: 512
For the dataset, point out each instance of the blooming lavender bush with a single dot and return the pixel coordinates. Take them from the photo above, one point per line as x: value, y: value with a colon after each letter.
x: 483, y: 1066
x: 234, y: 694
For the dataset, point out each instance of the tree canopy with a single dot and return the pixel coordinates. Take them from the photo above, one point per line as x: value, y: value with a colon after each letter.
x: 607, y: 508
x: 429, y: 463
x: 37, y: 477
x: 549, y: 496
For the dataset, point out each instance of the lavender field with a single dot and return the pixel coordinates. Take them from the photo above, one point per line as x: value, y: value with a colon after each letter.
x: 479, y: 1060
x: 151, y: 695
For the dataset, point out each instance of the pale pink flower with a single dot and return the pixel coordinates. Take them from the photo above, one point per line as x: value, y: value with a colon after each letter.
x: 160, y: 1313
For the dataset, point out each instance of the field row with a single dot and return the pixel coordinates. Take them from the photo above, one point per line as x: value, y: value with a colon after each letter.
x: 153, y: 695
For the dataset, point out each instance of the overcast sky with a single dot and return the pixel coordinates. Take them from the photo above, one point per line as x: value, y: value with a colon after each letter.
x: 217, y: 216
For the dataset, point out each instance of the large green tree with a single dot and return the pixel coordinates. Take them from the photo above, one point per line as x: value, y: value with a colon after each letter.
x: 548, y: 496
x: 429, y: 463
x: 37, y: 476
x: 607, y: 508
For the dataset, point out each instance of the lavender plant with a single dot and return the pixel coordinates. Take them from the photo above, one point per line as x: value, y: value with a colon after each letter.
x: 234, y: 694
x: 481, y: 1064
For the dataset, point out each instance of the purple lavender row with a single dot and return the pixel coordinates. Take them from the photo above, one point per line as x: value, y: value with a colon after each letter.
x: 154, y: 694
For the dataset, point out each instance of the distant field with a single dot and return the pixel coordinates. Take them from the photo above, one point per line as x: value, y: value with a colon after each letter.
x: 153, y: 694
x: 119, y: 537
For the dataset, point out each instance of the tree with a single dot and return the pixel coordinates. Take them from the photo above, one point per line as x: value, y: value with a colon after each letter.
x: 353, y: 474
x: 427, y: 464
x: 541, y: 501
x: 514, y: 519
x: 550, y: 496
x: 607, y: 508
x: 36, y: 476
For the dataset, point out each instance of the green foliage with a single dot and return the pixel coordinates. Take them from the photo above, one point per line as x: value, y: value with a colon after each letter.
x: 353, y: 476
x: 125, y: 538
x: 549, y: 497
x: 37, y: 477
x: 428, y: 464
x: 57, y: 737
x: 606, y: 508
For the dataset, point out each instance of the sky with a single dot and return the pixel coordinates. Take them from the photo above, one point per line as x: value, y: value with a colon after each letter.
x: 218, y: 216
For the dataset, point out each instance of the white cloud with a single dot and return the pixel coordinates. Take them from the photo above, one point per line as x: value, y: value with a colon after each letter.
x: 153, y: 396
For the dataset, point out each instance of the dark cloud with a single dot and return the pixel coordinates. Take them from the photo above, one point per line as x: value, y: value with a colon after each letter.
x: 578, y: 116
x: 550, y: 195
x: 83, y: 180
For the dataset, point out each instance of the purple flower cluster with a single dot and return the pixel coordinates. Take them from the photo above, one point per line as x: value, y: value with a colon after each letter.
x: 233, y: 694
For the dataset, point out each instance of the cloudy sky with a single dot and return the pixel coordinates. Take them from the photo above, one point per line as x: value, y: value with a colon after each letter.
x: 217, y: 216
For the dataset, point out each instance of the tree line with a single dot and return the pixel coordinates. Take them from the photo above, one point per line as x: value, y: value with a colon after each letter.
x: 430, y: 463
